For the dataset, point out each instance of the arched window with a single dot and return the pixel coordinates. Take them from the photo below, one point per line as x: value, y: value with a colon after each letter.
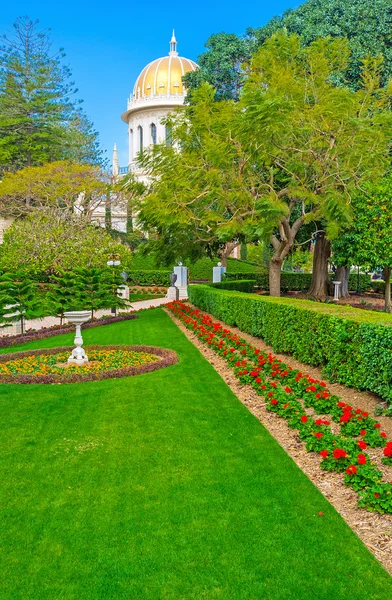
x: 153, y: 128
x: 131, y: 150
x: 140, y: 130
x: 168, y: 135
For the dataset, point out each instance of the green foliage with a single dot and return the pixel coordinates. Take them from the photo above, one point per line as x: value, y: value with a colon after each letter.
x: 241, y: 285
x: 351, y: 345
x: 61, y: 186
x: 300, y: 282
x: 97, y: 288
x: 366, y: 25
x: 39, y: 121
x: 221, y: 65
x: 19, y: 299
x: 62, y: 293
x: 52, y: 241
x: 154, y: 277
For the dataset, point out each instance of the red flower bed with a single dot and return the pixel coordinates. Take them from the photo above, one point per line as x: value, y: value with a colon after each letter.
x: 287, y: 392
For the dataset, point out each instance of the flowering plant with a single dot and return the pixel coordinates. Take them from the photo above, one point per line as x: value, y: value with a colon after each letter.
x: 288, y: 392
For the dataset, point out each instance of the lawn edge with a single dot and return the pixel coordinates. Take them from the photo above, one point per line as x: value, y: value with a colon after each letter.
x: 371, y: 528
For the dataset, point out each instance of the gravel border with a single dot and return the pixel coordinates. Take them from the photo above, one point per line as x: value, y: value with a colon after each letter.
x: 373, y: 529
x: 165, y: 356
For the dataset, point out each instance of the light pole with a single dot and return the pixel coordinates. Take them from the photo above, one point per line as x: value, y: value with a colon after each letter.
x: 113, y: 262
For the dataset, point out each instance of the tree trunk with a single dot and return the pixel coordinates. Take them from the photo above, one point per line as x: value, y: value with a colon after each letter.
x: 319, y: 286
x: 274, y: 276
x: 387, y: 279
x: 342, y: 274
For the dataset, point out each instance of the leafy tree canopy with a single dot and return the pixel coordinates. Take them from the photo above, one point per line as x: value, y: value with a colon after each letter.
x: 51, y: 241
x: 62, y: 185
x: 291, y: 151
x: 366, y: 25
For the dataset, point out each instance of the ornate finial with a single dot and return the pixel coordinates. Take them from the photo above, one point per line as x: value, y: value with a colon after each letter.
x: 173, y: 46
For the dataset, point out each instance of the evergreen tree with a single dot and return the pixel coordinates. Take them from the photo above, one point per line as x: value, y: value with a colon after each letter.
x: 20, y: 299
x: 39, y: 122
x: 63, y: 293
x: 98, y: 289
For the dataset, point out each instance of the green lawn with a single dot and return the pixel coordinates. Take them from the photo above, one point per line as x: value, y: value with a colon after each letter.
x: 162, y: 486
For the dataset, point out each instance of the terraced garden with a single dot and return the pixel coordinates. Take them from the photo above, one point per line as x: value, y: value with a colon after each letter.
x: 162, y: 485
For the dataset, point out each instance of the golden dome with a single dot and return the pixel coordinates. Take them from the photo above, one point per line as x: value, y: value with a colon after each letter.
x: 163, y: 76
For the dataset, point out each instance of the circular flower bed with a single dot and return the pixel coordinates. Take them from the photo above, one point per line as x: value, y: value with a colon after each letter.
x: 105, y: 362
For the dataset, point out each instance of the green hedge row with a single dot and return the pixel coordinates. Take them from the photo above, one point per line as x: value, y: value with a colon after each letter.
x: 156, y: 277
x: 300, y: 282
x: 242, y: 285
x: 352, y: 346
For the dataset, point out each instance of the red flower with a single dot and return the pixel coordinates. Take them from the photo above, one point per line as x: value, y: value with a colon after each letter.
x: 377, y: 425
x: 311, y: 388
x: 319, y: 435
x: 358, y: 411
x: 258, y: 380
x: 263, y: 387
x: 324, y: 453
x: 238, y: 363
x: 274, y: 401
x: 288, y: 390
x: 319, y: 422
x: 323, y: 384
x: 388, y: 450
x: 362, y: 445
x: 351, y: 470
x: 304, y: 419
x: 338, y: 453
x: 270, y: 394
x: 365, y: 414
x: 376, y: 495
x: 231, y: 349
x: 361, y: 459
x: 341, y: 404
x: 318, y: 395
x: 363, y: 432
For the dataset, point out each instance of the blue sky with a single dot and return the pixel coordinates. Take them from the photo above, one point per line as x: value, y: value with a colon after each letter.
x: 108, y: 43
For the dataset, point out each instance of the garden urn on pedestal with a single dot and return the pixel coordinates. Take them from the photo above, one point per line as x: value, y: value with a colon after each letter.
x: 77, y: 318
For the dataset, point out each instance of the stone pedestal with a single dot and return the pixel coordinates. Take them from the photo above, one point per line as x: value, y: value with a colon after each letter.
x: 123, y: 292
x: 217, y: 273
x: 78, y: 356
x: 182, y: 280
x: 173, y: 293
x: 336, y: 289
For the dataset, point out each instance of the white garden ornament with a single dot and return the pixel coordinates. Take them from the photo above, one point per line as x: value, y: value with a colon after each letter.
x: 77, y: 318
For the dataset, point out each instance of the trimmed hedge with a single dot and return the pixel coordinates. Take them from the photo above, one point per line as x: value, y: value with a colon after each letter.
x: 353, y: 346
x: 243, y: 285
x: 148, y: 278
x: 300, y: 282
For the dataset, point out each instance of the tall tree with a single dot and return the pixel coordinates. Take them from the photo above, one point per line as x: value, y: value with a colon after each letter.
x: 289, y: 152
x: 318, y: 141
x: 368, y: 241
x: 19, y: 299
x: 38, y: 117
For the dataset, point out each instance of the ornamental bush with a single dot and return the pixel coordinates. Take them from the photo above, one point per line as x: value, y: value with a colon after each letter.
x: 300, y: 282
x: 244, y: 285
x: 352, y: 346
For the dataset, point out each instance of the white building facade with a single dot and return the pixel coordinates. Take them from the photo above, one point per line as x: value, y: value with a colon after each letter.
x: 157, y: 92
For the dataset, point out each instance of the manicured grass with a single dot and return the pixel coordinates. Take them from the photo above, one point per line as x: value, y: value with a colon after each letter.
x: 143, y: 296
x: 162, y: 486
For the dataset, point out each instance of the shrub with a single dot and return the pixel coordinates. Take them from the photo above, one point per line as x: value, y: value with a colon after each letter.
x: 243, y: 285
x: 378, y: 286
x: 299, y: 282
x: 149, y: 278
x: 352, y: 346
